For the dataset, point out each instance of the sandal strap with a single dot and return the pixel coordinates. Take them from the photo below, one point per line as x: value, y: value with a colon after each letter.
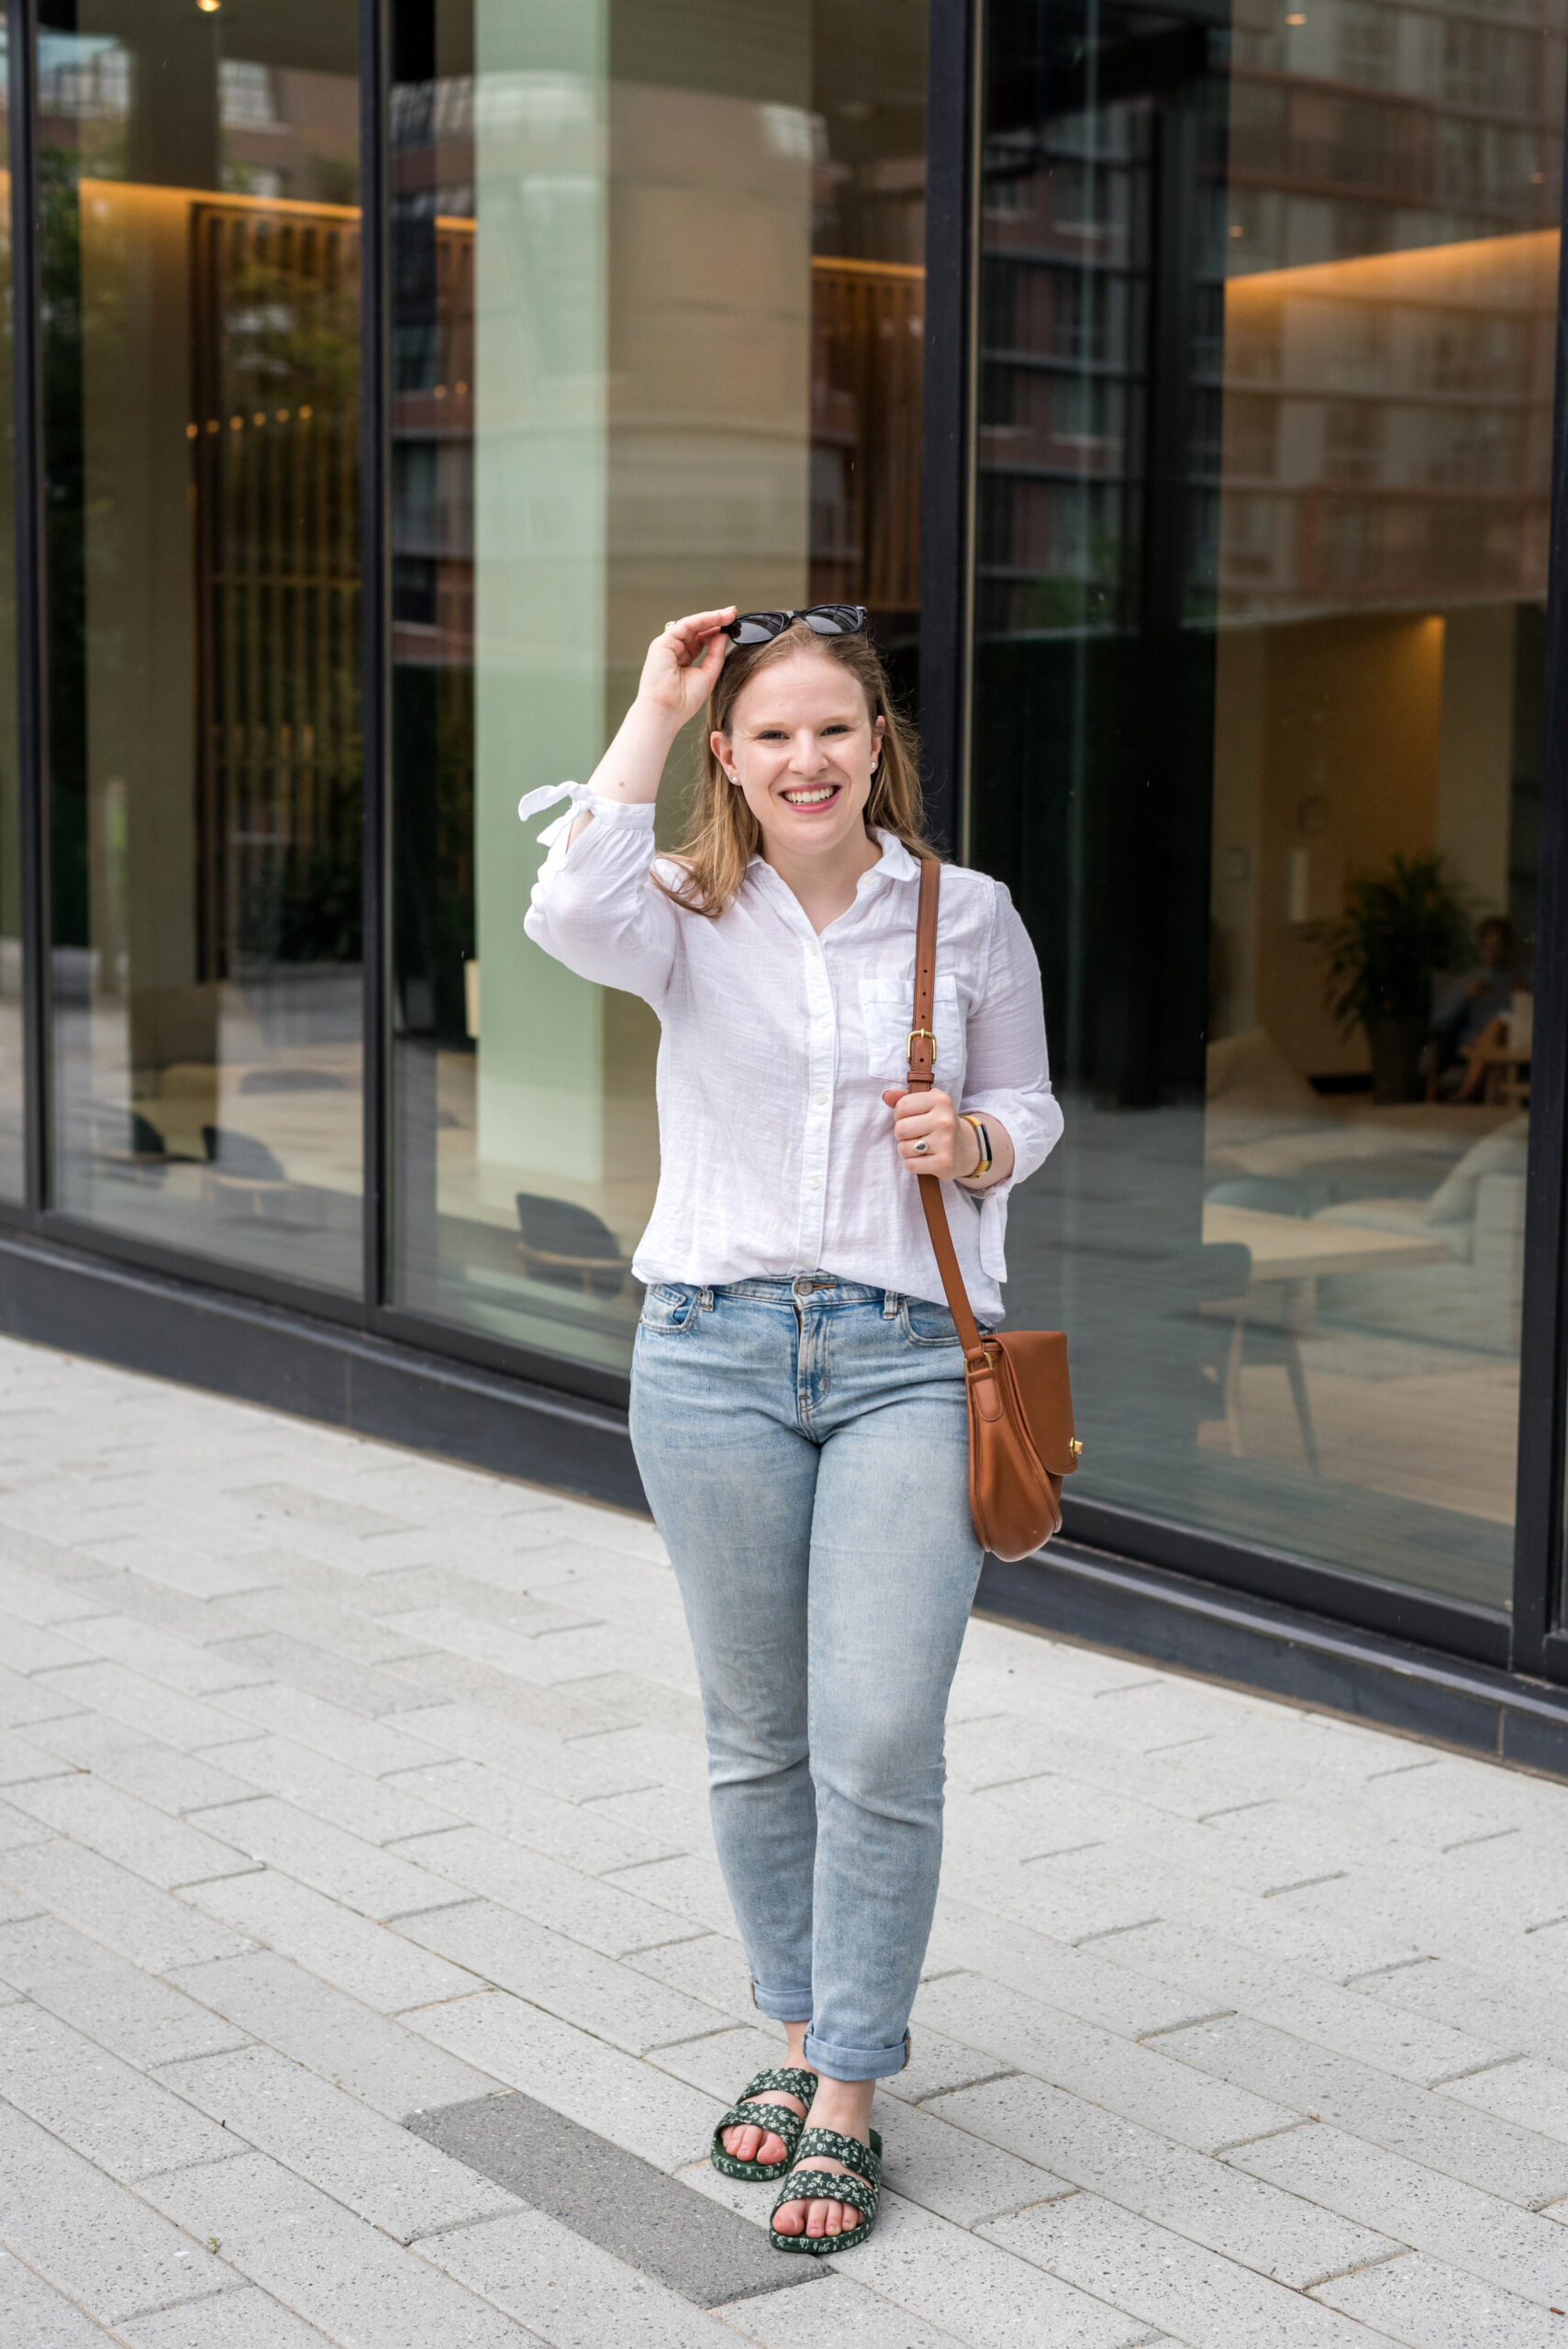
x: 828, y: 2144
x: 777, y: 2119
x: 791, y: 2081
x: 826, y: 2186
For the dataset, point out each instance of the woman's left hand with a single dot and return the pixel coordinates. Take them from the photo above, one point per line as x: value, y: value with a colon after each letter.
x: 952, y: 1148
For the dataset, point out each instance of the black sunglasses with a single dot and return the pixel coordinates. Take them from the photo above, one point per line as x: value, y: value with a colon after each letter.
x: 824, y: 620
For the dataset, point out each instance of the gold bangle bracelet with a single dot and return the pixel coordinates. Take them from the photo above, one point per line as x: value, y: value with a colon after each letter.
x: 983, y: 1140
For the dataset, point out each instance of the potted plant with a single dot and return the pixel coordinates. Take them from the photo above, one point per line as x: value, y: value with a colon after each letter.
x: 1400, y: 928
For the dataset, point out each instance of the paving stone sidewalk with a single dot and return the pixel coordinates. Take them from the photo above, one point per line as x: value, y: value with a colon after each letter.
x: 366, y: 1976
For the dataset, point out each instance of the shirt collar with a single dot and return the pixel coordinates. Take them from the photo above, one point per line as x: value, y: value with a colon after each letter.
x: 895, y: 863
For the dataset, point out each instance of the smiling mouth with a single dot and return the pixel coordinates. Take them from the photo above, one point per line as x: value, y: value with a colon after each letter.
x: 816, y: 794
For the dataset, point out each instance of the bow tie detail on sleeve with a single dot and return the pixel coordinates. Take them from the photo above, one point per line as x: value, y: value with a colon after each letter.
x: 546, y: 797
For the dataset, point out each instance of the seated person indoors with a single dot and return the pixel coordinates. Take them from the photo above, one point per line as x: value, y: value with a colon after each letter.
x: 1472, y: 1009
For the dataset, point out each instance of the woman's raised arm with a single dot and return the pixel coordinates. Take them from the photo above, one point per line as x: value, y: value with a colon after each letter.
x: 677, y: 677
x: 594, y: 908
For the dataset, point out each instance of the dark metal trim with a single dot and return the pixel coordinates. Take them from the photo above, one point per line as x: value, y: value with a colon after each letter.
x: 101, y: 1243
x: 211, y: 1339
x: 1186, y: 1625
x: 947, y: 408
x: 1538, y: 1538
x: 1275, y: 1576
x: 32, y: 761
x: 374, y: 621
x: 561, y: 1373
x: 1554, y: 1661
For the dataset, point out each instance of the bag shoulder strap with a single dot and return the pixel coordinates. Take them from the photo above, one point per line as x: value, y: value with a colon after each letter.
x: 922, y: 1067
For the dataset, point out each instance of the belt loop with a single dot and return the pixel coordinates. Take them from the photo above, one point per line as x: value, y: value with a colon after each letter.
x: 705, y: 1300
x: 890, y: 1302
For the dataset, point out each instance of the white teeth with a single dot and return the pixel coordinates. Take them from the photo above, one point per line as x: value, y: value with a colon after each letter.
x: 811, y: 798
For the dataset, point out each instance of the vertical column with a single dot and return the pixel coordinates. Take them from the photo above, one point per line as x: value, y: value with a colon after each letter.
x: 22, y: 72
x: 376, y: 621
x: 1539, y: 1495
x: 947, y: 424
x: 540, y: 169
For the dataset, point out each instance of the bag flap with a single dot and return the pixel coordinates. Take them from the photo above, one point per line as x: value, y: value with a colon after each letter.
x: 1037, y: 1359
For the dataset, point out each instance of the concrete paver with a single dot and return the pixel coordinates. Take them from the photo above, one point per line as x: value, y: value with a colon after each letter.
x: 1198, y: 2296
x: 1421, y: 2301
x: 342, y: 1786
x: 1521, y: 2251
x: 360, y: 2289
x: 115, y: 1905
x: 116, y: 2115
x: 93, y: 2239
x: 338, y: 2037
x: 117, y: 2004
x: 1194, y: 2195
x: 647, y: 2111
x: 244, y: 2319
x: 1498, y: 2156
x: 32, y: 2312
x: 361, y: 1957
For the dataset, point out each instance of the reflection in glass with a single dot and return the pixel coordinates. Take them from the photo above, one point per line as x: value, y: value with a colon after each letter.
x: 656, y: 345
x: 198, y: 185
x: 1264, y: 456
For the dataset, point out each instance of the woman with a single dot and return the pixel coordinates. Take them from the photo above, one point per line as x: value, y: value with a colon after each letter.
x: 797, y: 1395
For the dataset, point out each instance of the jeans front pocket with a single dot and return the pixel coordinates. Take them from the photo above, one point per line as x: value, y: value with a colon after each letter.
x: 670, y: 1308
x: 922, y: 1324
x: 927, y: 1325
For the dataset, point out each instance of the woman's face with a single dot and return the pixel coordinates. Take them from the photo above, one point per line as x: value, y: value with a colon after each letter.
x: 802, y: 747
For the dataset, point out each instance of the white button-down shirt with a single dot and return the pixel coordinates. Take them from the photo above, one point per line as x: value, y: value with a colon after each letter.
x: 777, y: 1150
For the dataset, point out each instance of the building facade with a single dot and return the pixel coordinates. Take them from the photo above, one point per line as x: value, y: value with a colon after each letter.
x: 1178, y: 387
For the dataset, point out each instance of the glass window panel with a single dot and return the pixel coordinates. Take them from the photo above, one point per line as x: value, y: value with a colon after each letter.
x: 657, y: 339
x: 198, y: 195
x: 1264, y: 461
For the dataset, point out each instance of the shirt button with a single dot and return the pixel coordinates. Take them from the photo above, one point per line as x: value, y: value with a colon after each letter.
x: 814, y: 948
x: 820, y: 1100
x: 814, y: 1181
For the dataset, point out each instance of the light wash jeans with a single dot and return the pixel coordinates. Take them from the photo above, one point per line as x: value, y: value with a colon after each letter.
x: 804, y: 1446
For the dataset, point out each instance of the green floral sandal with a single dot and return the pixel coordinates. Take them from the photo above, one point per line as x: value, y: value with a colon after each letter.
x: 862, y: 2190
x: 776, y: 2118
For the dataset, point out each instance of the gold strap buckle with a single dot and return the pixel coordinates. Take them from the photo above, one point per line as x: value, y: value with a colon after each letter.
x: 909, y: 1046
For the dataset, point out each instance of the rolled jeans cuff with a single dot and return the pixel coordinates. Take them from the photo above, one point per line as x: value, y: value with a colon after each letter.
x: 856, y: 2063
x: 782, y: 2005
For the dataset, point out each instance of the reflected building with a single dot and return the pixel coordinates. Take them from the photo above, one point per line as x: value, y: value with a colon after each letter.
x: 1268, y: 319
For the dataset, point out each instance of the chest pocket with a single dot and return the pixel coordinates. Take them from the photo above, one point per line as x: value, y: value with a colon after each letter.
x: 886, y: 1003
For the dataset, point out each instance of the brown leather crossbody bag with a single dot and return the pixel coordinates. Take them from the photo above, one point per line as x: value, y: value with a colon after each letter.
x: 1021, y: 1443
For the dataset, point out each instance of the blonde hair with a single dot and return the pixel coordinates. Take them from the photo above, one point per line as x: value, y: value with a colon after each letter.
x: 722, y: 834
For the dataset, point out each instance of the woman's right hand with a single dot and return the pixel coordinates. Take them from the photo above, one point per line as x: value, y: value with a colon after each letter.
x: 682, y: 662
